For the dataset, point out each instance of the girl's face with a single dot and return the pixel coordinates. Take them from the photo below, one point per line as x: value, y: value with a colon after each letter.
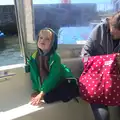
x: 44, y: 40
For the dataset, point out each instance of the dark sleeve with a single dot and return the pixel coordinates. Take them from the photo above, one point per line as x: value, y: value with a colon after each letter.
x: 89, y: 48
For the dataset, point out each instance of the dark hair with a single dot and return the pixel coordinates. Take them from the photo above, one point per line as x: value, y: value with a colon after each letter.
x: 115, y: 20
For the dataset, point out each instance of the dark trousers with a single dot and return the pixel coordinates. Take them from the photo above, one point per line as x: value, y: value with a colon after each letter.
x: 65, y: 92
x: 101, y: 112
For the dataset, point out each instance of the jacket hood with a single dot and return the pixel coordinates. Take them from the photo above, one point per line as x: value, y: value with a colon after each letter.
x: 53, y: 44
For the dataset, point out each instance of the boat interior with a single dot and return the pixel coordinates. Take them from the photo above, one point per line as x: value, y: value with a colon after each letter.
x: 15, y: 84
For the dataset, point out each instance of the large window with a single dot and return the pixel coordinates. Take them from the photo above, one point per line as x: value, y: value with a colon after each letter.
x: 9, y: 43
x: 72, y: 20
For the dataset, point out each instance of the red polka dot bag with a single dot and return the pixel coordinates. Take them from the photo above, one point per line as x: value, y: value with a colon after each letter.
x: 100, y: 80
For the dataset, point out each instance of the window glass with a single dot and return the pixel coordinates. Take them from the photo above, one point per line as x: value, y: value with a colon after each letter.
x: 72, y: 20
x: 9, y: 43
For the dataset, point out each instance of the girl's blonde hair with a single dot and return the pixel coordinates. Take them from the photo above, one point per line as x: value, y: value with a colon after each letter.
x: 50, y: 34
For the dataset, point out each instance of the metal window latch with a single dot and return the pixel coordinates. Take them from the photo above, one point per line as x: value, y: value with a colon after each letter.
x: 4, y: 75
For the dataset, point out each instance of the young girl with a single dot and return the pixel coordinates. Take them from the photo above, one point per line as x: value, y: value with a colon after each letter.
x: 47, y: 73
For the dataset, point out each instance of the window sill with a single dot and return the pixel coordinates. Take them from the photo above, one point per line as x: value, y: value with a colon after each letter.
x: 11, y: 66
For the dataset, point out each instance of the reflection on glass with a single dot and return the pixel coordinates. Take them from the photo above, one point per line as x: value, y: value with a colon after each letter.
x: 73, y: 20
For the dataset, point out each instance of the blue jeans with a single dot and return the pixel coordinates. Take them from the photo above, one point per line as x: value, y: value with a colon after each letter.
x: 101, y: 112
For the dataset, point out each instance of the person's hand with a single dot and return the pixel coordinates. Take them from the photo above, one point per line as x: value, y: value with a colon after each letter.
x: 37, y: 100
x: 118, y: 59
x: 33, y: 95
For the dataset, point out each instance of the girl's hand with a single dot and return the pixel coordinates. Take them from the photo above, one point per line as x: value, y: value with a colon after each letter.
x: 34, y: 95
x: 37, y: 100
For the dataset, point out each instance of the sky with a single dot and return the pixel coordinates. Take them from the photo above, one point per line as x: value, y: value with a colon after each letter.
x: 9, y: 2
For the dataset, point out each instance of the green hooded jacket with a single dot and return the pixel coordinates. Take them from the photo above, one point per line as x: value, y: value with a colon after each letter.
x: 58, y: 73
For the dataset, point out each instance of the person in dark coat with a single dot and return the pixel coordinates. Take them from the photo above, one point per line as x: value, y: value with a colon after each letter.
x: 104, y: 39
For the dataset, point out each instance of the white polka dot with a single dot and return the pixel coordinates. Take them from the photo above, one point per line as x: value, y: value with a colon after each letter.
x: 113, y: 98
x: 95, y: 93
x: 96, y: 65
x: 109, y: 102
x: 98, y: 96
x: 105, y: 69
x: 100, y: 56
x: 91, y: 96
x: 114, y: 90
x: 94, y: 100
x: 82, y: 90
x: 117, y: 94
x: 114, y: 83
x: 102, y: 85
x: 109, y: 94
x: 118, y: 87
x: 87, y: 80
x: 93, y: 82
x: 95, y: 85
x: 106, y: 56
x: 116, y: 101
x: 106, y: 98
x: 91, y: 88
x: 101, y: 100
x: 89, y: 84
x: 93, y: 74
x: 84, y: 94
x: 107, y: 82
x: 117, y: 78
x: 106, y: 89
